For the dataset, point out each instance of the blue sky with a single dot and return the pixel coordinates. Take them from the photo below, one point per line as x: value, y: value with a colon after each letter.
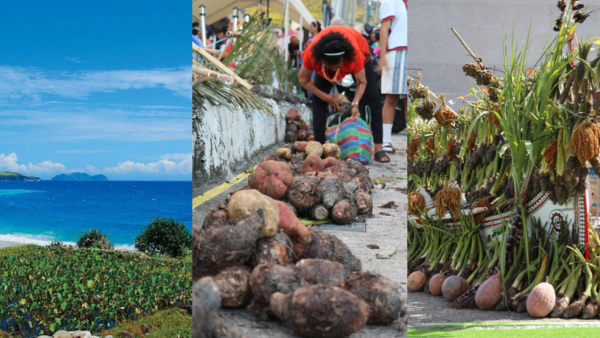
x: 100, y: 87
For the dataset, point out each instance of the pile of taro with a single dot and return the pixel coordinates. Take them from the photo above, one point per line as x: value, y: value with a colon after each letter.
x: 254, y: 253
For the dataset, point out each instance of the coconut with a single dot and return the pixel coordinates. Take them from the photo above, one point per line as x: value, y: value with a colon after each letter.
x: 489, y: 293
x: 541, y: 300
x: 435, y: 284
x: 416, y: 281
x: 453, y: 287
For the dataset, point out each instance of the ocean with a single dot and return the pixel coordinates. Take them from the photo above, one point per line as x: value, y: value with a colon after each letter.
x: 40, y: 212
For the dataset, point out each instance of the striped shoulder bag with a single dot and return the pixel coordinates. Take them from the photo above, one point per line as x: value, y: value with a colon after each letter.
x: 352, y: 134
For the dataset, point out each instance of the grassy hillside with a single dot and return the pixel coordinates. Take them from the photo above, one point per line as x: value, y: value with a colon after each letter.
x: 12, y: 176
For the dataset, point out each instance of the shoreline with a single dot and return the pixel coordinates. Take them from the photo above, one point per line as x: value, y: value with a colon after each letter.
x: 6, y: 244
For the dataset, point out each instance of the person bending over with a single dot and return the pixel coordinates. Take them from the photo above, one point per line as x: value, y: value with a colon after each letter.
x: 336, y: 52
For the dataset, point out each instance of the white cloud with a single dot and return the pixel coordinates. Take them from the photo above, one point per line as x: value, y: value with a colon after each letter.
x: 167, y: 164
x: 10, y: 163
x: 170, y: 164
x: 33, y: 83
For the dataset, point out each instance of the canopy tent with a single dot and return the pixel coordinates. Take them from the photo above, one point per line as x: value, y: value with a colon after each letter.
x: 218, y: 9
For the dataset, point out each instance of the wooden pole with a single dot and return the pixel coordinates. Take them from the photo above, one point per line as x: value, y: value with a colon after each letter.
x: 478, y: 60
x: 221, y: 66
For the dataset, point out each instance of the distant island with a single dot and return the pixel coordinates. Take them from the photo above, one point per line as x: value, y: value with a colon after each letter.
x: 11, y: 176
x: 79, y: 177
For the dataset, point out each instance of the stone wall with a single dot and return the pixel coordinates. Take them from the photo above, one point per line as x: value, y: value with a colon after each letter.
x: 226, y: 141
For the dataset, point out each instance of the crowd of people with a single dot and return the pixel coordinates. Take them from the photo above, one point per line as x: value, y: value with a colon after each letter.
x: 331, y: 53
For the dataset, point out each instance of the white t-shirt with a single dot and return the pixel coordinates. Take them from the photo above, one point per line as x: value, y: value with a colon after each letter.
x: 395, y: 10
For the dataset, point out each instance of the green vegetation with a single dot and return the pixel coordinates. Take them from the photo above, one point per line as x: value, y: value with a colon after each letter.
x: 79, y: 177
x: 94, y: 238
x: 173, y: 323
x: 164, y: 237
x: 46, y: 289
x: 12, y: 176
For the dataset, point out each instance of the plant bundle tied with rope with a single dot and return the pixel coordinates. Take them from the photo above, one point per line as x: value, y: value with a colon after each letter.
x: 450, y: 150
x: 416, y: 203
x: 444, y: 116
x: 418, y: 92
x: 429, y: 145
x: 427, y: 107
x: 448, y: 200
x: 550, y: 154
x: 471, y: 70
x: 413, y: 147
x: 584, y: 142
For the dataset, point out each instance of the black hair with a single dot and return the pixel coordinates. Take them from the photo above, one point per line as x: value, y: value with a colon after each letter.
x: 194, y: 31
x: 318, y: 25
x: 333, y: 43
x: 195, y: 24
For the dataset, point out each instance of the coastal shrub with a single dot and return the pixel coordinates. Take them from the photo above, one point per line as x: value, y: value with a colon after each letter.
x: 164, y: 237
x: 94, y: 238
x: 50, y: 289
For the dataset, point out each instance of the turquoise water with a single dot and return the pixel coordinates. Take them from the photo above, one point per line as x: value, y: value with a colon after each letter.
x: 39, y: 212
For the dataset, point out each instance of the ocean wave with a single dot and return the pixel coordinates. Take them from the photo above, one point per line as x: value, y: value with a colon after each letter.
x: 44, y: 240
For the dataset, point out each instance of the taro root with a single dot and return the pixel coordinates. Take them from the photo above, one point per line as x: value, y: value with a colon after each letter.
x: 327, y: 246
x: 302, y: 135
x: 291, y: 128
x: 435, y: 284
x: 304, y: 193
x: 343, y: 173
x: 297, y: 158
x: 385, y: 297
x: 319, y: 213
x: 227, y: 246
x: 321, y: 311
x: 322, y: 271
x: 303, y: 126
x: 293, y: 114
x: 312, y: 163
x: 217, y: 216
x: 291, y: 225
x: 277, y: 249
x: 266, y: 279
x: 314, y: 148
x: 350, y: 186
x: 331, y: 150
x: 206, y: 303
x: 234, y: 287
x: 284, y: 152
x: 363, y: 202
x: 246, y: 202
x: 541, y: 300
x: 332, y: 190
x: 311, y: 137
x: 330, y: 162
x: 453, y: 287
x: 272, y: 178
x: 344, y: 212
x: 416, y: 281
x: 300, y: 146
x: 291, y: 137
x: 489, y: 293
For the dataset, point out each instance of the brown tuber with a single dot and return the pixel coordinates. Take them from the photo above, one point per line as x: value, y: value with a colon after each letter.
x: 226, y: 246
x: 304, y: 193
x: 320, y: 311
x: 327, y: 246
x: 344, y: 212
x: 277, y: 249
x: 329, y: 162
x: 322, y: 271
x: 363, y: 202
x: 319, y: 213
x: 293, y: 114
x: 332, y: 190
x: 266, y: 279
x: 246, y: 202
x: 234, y: 286
x: 384, y: 296
x: 216, y: 217
x: 291, y: 137
x: 206, y: 320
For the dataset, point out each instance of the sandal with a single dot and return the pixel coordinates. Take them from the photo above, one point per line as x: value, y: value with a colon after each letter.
x: 380, y: 155
x: 387, y: 147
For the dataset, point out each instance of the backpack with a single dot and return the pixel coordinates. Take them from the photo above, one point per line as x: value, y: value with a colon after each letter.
x: 352, y: 135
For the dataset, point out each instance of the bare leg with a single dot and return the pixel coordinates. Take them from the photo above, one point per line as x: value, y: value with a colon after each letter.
x: 389, y: 108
